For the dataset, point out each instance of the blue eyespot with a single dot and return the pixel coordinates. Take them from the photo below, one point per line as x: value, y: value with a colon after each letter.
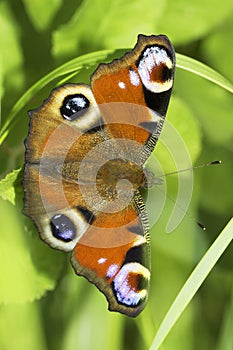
x: 62, y: 228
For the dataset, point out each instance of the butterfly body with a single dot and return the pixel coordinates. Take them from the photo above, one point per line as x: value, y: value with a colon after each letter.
x: 85, y: 155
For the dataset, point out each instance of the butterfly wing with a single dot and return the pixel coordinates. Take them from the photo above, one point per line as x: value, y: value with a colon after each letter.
x: 62, y: 131
x: 114, y: 254
x: 133, y: 100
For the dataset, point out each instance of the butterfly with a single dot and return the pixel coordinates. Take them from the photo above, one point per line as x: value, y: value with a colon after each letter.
x: 84, y: 169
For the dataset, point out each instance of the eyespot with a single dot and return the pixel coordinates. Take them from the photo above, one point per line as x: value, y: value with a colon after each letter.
x: 63, y: 228
x: 87, y: 214
x: 156, y: 69
x: 74, y: 106
x: 130, y: 285
x: 77, y: 106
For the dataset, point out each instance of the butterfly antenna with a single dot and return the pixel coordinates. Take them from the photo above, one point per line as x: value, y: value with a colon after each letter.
x: 201, y: 225
x: 195, y: 167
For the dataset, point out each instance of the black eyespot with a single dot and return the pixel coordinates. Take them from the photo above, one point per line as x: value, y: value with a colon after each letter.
x: 74, y: 106
x: 142, y: 282
x: 166, y: 73
x: 139, y: 254
x: 63, y: 228
x: 87, y: 214
x: 157, y: 101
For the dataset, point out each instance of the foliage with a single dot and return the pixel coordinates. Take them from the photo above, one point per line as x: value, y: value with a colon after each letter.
x: 43, y: 305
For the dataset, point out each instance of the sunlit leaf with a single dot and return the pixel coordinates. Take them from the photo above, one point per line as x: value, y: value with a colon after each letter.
x: 216, y: 182
x: 114, y: 32
x: 28, y: 267
x: 186, y: 21
x: 11, y: 51
x: 225, y: 341
x: 7, y: 190
x: 211, y: 104
x: 41, y: 12
x: 21, y: 328
x: 180, y: 115
x: 216, y: 48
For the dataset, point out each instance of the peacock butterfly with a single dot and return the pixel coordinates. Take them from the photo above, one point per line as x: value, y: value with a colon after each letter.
x: 84, y: 169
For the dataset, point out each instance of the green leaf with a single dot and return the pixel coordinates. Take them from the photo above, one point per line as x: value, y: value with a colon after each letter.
x: 185, y: 21
x: 181, y: 117
x: 211, y: 105
x: 11, y: 52
x: 193, y: 283
x: 7, y: 190
x: 28, y: 267
x: 182, y: 21
x: 21, y: 328
x: 1, y: 79
x: 41, y: 12
x: 216, y: 48
x: 216, y: 182
x: 225, y: 341
x: 113, y: 30
x: 83, y: 330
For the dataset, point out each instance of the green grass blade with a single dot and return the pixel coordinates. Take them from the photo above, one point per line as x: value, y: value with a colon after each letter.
x: 199, y: 68
x: 193, y: 283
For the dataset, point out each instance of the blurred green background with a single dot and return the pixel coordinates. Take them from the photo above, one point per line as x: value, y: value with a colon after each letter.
x: 43, y: 305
